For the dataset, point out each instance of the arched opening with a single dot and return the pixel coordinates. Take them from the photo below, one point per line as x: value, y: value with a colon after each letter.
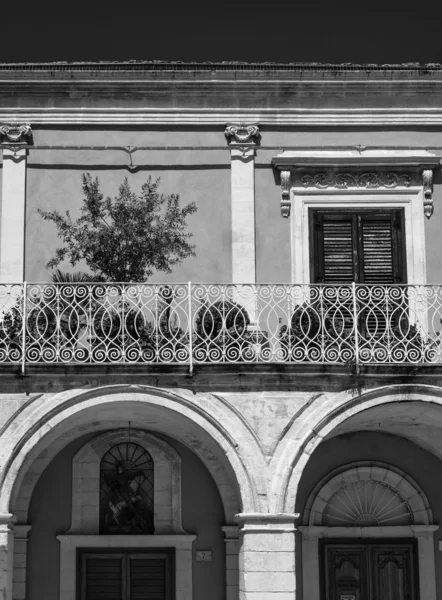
x: 384, y: 504
x: 213, y: 481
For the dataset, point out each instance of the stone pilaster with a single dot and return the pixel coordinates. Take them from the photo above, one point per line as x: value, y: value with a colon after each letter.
x: 6, y: 556
x: 267, y: 557
x: 242, y: 140
x: 20, y: 561
x: 12, y: 227
x: 231, y: 533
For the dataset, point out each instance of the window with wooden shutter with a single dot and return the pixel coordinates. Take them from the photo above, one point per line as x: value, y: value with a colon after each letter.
x: 362, y: 246
x: 125, y: 576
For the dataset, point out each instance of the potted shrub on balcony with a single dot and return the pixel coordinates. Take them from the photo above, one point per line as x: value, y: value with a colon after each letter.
x: 397, y: 341
x: 317, y: 334
x: 221, y: 333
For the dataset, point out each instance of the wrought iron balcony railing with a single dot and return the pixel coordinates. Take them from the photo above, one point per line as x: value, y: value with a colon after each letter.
x: 188, y: 324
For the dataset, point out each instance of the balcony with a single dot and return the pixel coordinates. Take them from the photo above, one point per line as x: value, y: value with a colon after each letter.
x: 195, y: 324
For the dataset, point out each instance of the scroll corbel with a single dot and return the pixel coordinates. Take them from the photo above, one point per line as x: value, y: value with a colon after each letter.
x: 427, y: 180
x: 285, y: 193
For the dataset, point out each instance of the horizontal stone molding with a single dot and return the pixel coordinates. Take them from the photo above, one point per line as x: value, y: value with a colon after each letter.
x: 216, y: 116
x: 359, y: 157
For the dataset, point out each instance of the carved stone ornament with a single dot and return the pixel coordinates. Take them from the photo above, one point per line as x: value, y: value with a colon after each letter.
x: 326, y: 179
x: 285, y: 193
x: 427, y: 180
x: 16, y: 134
x: 242, y: 134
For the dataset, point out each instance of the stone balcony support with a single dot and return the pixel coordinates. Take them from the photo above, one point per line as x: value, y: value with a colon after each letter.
x: 267, y: 557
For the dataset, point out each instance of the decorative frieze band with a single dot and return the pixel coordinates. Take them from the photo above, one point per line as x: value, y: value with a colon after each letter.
x: 14, y: 133
x: 344, y: 180
x: 242, y: 133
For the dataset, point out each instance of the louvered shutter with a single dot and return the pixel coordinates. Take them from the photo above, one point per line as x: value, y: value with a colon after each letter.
x: 381, y: 240
x: 364, y: 247
x: 103, y: 577
x: 148, y: 580
x: 125, y: 576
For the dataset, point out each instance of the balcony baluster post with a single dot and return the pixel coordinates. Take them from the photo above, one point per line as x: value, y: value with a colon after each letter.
x: 190, y: 327
x: 24, y: 327
x: 123, y: 324
x: 355, y: 326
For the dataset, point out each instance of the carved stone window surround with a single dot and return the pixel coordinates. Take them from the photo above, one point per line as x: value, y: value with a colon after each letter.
x: 359, y: 178
x: 86, y: 481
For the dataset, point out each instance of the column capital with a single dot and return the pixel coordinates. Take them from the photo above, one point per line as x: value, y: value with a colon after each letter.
x: 242, y: 133
x: 7, y: 519
x: 21, y: 532
x: 267, y: 522
x: 231, y: 532
x: 16, y: 133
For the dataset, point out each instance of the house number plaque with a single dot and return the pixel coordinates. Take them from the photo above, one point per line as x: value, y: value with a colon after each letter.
x: 203, y: 555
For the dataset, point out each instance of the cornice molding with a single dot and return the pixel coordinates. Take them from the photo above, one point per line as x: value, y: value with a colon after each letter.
x: 135, y: 116
x: 360, y: 157
x: 219, y: 116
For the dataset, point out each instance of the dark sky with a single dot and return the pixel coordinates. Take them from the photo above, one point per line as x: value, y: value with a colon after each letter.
x: 315, y: 30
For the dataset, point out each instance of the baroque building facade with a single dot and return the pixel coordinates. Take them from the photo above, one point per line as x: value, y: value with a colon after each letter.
x: 263, y: 423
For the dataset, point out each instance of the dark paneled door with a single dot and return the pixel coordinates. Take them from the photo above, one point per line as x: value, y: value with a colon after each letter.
x: 369, y: 571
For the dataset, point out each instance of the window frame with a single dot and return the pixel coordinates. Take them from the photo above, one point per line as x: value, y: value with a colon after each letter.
x: 410, y: 199
x: 126, y: 555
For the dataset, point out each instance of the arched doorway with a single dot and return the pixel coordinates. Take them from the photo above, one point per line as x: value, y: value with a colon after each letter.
x: 367, y: 532
x: 370, y: 489
x: 166, y: 427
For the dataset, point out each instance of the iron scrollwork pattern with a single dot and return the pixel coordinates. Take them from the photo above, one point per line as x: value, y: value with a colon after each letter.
x: 185, y: 324
x: 127, y: 490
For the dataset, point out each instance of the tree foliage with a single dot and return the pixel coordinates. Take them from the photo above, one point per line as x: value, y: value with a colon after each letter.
x: 126, y: 238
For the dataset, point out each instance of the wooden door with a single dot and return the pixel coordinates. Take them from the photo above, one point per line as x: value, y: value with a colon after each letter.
x: 369, y: 571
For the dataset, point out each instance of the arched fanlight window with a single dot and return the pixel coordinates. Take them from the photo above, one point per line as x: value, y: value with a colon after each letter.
x: 127, y: 490
x: 366, y: 503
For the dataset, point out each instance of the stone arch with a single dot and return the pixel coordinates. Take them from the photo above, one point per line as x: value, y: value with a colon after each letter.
x: 408, y: 491
x: 322, y: 418
x: 212, y: 430
x: 86, y: 481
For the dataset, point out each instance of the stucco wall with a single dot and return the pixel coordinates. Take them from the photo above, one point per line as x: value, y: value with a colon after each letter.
x: 54, y: 182
x: 50, y: 514
x: 421, y: 465
x: 203, y: 176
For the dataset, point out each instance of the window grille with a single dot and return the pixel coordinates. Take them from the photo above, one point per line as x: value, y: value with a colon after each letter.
x: 127, y: 490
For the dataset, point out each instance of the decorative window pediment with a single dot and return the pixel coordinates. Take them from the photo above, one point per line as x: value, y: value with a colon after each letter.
x: 358, y: 169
